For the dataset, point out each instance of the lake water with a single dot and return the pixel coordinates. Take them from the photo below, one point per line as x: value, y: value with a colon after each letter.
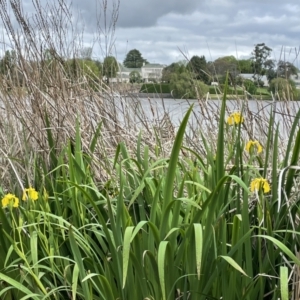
x: 206, y: 113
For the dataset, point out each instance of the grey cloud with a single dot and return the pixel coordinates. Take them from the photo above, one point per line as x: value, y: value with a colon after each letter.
x: 135, y: 13
x: 147, y: 12
x: 204, y: 27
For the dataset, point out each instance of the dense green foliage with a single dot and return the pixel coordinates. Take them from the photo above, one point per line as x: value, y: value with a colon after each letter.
x: 222, y: 65
x: 283, y: 89
x: 250, y: 86
x: 77, y: 68
x: 245, y: 66
x: 184, y: 85
x: 198, y: 66
x: 135, y: 77
x: 8, y: 62
x: 174, y: 68
x: 260, y: 60
x: 134, y: 59
x: 110, y: 67
x: 285, y: 69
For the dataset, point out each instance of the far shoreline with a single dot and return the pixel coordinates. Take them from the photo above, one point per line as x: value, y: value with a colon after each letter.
x: 211, y: 97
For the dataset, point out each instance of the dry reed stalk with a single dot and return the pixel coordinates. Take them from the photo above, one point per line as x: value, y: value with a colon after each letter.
x: 40, y: 84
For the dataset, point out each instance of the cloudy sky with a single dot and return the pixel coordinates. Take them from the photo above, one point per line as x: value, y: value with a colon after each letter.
x: 165, y: 31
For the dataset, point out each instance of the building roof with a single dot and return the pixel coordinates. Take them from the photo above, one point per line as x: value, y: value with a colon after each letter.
x: 153, y: 66
x: 122, y: 76
x: 250, y: 76
x: 125, y: 69
x: 296, y: 77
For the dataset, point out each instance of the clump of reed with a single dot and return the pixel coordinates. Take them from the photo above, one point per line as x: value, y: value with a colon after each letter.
x: 120, y: 203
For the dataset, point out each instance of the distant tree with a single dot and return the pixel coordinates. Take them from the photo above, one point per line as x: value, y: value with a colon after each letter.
x: 48, y: 54
x: 285, y: 69
x: 284, y: 89
x: 8, y: 67
x: 110, y: 67
x: 239, y: 80
x: 134, y: 59
x: 219, y: 68
x: 174, y: 68
x: 260, y: 56
x: 77, y: 69
x: 182, y: 62
x: 270, y: 71
x: 99, y: 65
x: 135, y: 77
x: 245, y: 66
x: 250, y: 86
x: 271, y: 74
x: 183, y: 85
x: 224, y: 64
x: 8, y: 62
x: 86, y: 53
x: 90, y: 69
x: 198, y: 66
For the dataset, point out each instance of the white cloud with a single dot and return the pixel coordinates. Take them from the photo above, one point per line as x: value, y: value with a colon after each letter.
x: 214, y: 28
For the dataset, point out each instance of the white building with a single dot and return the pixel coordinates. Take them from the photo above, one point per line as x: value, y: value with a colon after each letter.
x: 296, y: 79
x: 149, y: 72
x: 123, y: 75
x: 152, y: 72
x: 250, y: 76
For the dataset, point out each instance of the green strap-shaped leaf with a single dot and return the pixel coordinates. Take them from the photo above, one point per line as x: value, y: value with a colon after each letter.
x: 199, y: 246
x: 284, y: 291
x: 294, y: 161
x: 239, y: 181
x: 220, y: 141
x: 75, y: 281
x: 106, y: 288
x: 126, y: 250
x: 19, y: 286
x: 233, y: 264
x: 161, y: 266
x: 170, y: 176
x: 282, y: 247
x: 198, y: 185
x: 79, y: 261
x: 34, y: 251
x: 95, y: 138
x: 137, y: 229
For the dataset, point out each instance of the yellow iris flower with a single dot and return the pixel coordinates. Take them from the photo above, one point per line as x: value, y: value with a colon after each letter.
x: 253, y: 144
x: 10, y: 199
x: 235, y: 119
x: 258, y: 183
x: 30, y: 193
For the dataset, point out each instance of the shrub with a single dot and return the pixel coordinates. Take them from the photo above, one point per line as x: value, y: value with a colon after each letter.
x: 283, y: 89
x: 155, y: 88
x: 250, y: 86
x: 184, y: 86
x: 135, y: 77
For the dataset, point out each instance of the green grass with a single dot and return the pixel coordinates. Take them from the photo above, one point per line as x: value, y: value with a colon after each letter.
x: 263, y: 91
x: 155, y: 88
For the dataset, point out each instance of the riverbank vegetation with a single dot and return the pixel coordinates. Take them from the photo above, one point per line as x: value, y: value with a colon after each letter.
x: 199, y: 79
x: 212, y: 92
x: 259, y: 77
x: 100, y: 202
